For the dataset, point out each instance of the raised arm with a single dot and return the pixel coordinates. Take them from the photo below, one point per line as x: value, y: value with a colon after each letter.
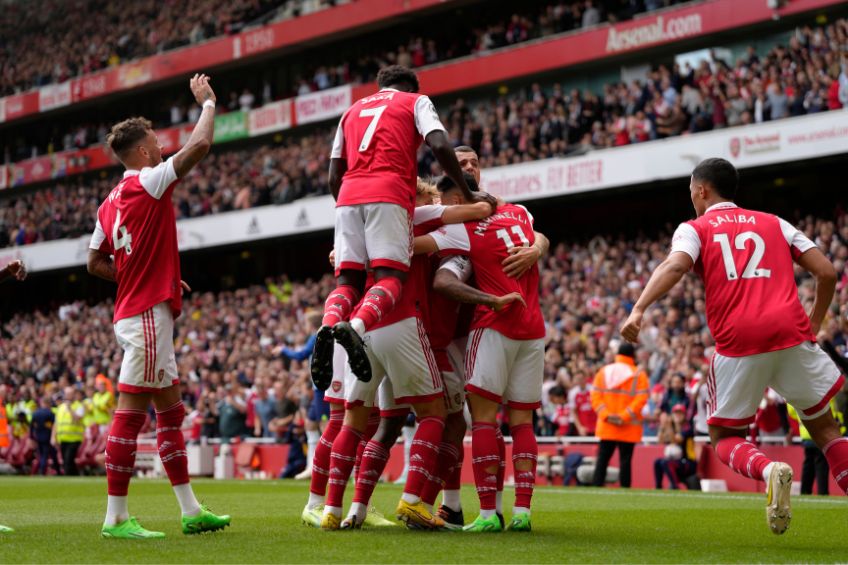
x: 445, y: 155
x: 200, y: 142
x: 662, y: 280
x: 815, y: 262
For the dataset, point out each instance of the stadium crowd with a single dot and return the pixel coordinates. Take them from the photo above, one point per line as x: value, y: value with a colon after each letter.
x: 491, y: 31
x: 51, y: 41
x: 808, y: 75
x: 238, y: 382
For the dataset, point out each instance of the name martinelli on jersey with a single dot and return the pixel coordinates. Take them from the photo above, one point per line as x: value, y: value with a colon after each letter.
x: 483, y: 225
x: 732, y: 219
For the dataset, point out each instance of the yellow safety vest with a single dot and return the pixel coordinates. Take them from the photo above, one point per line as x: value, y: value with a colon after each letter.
x: 103, y: 402
x: 68, y: 431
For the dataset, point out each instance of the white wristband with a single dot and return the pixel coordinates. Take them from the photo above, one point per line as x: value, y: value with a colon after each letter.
x: 209, y: 104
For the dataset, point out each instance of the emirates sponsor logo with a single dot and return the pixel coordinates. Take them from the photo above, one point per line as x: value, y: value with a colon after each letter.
x: 735, y: 147
x: 657, y: 31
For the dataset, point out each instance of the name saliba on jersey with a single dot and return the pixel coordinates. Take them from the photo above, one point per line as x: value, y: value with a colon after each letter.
x: 732, y: 219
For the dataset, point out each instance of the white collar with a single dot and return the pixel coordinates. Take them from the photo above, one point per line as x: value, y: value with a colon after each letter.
x: 721, y: 206
x: 131, y: 172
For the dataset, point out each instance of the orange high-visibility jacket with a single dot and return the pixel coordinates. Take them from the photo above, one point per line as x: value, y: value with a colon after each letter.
x: 5, y: 436
x: 621, y: 389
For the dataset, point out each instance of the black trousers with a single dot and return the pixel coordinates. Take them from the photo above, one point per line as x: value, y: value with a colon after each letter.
x: 625, y: 456
x: 815, y: 467
x: 47, y: 453
x: 69, y: 457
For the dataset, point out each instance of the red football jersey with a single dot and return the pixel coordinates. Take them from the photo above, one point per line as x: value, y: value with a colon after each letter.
x: 136, y: 225
x: 379, y: 138
x: 745, y: 260
x: 486, y: 244
x: 580, y: 402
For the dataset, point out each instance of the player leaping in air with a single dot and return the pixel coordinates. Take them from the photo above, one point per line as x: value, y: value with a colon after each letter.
x: 763, y: 336
x: 373, y: 178
x: 135, y: 245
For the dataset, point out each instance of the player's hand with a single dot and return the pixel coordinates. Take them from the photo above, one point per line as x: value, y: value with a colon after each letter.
x: 487, y: 198
x: 502, y: 302
x: 333, y: 258
x: 17, y: 269
x: 631, y: 327
x: 185, y: 287
x: 199, y: 85
x: 520, y: 260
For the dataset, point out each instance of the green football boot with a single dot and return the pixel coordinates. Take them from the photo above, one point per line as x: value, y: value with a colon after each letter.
x: 205, y: 521
x: 480, y: 524
x: 519, y: 523
x: 129, y: 529
x: 312, y: 516
x: 5, y: 529
x: 375, y: 519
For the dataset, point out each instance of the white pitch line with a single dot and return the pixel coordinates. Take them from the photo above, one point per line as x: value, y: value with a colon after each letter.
x: 703, y: 496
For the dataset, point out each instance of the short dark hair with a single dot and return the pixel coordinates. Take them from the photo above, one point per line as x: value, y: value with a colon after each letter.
x: 445, y: 183
x: 720, y: 174
x: 394, y: 75
x: 627, y: 350
x: 464, y: 149
x: 557, y: 390
x: 125, y: 135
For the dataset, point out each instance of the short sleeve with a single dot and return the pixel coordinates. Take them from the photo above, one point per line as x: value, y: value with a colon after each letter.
x: 460, y: 266
x: 686, y: 240
x: 338, y: 142
x: 426, y: 118
x: 98, y: 237
x: 795, y: 238
x: 428, y: 214
x: 452, y: 239
x: 156, y: 180
x: 529, y: 215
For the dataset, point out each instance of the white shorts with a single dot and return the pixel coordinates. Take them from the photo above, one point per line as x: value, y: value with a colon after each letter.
x: 373, y: 235
x: 335, y: 394
x: 400, y: 355
x: 384, y: 399
x: 454, y: 391
x: 505, y: 370
x: 804, y: 375
x: 148, y: 342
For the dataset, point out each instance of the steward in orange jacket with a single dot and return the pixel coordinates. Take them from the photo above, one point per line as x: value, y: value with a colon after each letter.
x: 619, y: 393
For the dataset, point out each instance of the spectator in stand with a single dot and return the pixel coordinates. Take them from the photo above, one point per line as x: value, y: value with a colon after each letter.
x: 68, y: 431
x: 231, y: 413
x: 41, y: 430
x: 583, y: 416
x: 678, y: 462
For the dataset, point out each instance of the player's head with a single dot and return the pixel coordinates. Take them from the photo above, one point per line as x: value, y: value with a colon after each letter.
x: 713, y: 180
x: 135, y: 144
x: 469, y: 161
x: 627, y: 350
x: 426, y: 193
x: 398, y: 77
x: 450, y: 194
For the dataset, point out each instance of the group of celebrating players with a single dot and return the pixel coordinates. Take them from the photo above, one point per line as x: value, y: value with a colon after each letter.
x: 437, y: 305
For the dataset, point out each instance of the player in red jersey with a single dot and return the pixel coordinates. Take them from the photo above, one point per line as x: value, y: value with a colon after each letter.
x: 505, y: 353
x: 763, y: 336
x: 407, y: 375
x: 135, y: 244
x: 373, y: 179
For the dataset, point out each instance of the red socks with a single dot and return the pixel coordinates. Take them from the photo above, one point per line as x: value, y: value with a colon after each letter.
x: 171, y: 443
x: 486, y: 460
x: 742, y: 456
x: 321, y: 460
x: 525, y: 451
x: 836, y: 453
x: 339, y: 305
x: 374, y: 460
x: 379, y: 300
x: 370, y: 430
x: 424, y: 454
x: 120, y: 449
x: 445, y: 468
x: 342, y: 459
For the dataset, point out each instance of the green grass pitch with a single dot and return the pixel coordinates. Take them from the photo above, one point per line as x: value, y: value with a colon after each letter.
x: 58, y: 521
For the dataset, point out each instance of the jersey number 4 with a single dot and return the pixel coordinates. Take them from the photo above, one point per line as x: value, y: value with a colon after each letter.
x: 752, y: 270
x: 120, y: 238
x: 374, y: 114
x: 503, y: 234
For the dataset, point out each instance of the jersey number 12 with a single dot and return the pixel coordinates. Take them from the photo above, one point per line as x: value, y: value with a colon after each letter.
x: 752, y: 270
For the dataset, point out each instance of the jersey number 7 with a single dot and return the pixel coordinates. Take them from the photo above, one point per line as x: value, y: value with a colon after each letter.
x: 374, y: 114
